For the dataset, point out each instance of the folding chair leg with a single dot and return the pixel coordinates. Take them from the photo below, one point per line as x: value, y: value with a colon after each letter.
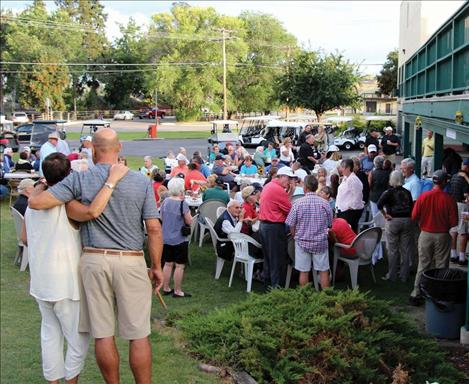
x: 250, y: 268
x: 24, y: 259
x: 219, y: 267
x: 232, y: 273
x: 18, y: 255
x: 289, y: 272
x: 201, y: 235
x: 353, y: 267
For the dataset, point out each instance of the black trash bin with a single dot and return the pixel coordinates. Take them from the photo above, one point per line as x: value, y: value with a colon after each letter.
x: 445, y: 293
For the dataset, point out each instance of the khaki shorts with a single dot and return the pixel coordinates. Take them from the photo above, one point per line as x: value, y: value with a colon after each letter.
x: 115, y: 285
x: 463, y: 225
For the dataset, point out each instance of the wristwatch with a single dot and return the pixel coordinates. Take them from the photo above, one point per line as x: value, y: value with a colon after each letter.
x: 110, y: 186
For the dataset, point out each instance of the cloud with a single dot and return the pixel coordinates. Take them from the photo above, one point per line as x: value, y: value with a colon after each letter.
x: 116, y: 18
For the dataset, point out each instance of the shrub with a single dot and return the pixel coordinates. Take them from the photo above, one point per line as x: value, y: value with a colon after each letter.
x: 301, y: 336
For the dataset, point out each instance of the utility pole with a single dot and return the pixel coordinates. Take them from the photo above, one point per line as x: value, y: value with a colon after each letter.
x: 224, y: 36
x: 156, y: 107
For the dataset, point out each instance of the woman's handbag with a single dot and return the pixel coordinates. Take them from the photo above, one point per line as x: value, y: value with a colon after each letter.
x: 185, y: 229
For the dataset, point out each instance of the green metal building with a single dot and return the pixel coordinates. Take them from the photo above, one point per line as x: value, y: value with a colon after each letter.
x: 433, y: 87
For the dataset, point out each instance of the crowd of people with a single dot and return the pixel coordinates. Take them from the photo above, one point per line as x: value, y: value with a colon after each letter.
x: 307, y: 195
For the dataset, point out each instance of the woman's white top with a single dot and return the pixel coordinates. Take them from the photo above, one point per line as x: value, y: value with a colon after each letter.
x: 54, y: 249
x: 288, y: 158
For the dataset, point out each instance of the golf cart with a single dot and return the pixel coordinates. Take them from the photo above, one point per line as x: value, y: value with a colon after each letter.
x: 252, y: 132
x: 223, y: 132
x: 347, y: 139
x: 378, y: 123
x: 42, y: 129
x: 89, y: 127
x: 8, y: 138
x: 276, y: 131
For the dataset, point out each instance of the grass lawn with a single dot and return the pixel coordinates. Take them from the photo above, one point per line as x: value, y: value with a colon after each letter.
x: 20, y: 318
x: 126, y: 136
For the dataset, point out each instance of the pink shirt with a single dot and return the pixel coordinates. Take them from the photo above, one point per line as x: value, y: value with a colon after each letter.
x: 275, y: 203
x: 350, y: 193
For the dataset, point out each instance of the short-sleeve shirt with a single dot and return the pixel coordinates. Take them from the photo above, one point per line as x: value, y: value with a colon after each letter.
x: 120, y: 226
x: 251, y: 170
x: 311, y: 216
x: 389, y: 149
x: 218, y: 170
x: 173, y: 221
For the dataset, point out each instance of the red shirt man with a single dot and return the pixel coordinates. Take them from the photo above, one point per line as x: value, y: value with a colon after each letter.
x: 343, y: 234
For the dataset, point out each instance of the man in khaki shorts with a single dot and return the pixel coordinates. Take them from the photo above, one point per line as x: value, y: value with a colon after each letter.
x: 112, y: 267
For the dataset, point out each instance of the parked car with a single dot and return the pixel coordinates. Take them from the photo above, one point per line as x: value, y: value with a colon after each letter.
x: 19, y: 118
x: 8, y: 137
x: 124, y: 115
x: 23, y: 132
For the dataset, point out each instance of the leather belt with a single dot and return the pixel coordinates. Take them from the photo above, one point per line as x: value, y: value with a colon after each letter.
x: 112, y: 252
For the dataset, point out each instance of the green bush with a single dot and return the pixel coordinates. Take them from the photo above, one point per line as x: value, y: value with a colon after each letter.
x: 301, y: 336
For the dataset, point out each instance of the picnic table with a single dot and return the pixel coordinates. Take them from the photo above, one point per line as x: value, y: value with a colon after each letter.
x: 21, y: 175
x: 249, y: 180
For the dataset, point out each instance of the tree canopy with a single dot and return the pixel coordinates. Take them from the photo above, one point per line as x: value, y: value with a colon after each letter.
x: 319, y: 82
x: 387, y: 78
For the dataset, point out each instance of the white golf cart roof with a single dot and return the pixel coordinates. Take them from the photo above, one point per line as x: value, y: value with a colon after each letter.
x: 339, y: 119
x: 281, y: 124
x: 223, y: 122
x: 97, y: 122
x: 381, y: 118
x: 262, y: 118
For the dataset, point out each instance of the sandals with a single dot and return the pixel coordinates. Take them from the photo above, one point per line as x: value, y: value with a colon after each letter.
x: 186, y: 294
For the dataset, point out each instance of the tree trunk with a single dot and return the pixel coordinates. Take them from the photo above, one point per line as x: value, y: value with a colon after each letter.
x: 318, y: 116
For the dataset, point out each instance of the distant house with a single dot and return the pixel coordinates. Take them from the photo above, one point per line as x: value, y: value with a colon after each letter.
x: 373, y: 102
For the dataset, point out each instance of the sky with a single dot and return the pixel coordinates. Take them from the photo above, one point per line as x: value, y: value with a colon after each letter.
x: 364, y: 31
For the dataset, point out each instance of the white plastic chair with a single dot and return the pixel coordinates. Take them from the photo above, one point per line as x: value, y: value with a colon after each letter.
x: 22, y: 253
x: 364, y: 244
x: 208, y: 209
x: 291, y: 254
x: 377, y: 221
x: 220, y: 211
x: 241, y: 255
x: 215, y: 238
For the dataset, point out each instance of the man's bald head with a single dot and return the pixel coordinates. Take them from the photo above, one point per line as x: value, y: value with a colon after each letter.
x: 106, y: 141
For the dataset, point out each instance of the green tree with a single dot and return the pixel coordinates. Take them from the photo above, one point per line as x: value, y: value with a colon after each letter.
x: 319, y: 82
x: 190, y: 35
x: 128, y: 49
x: 269, y: 46
x: 387, y: 78
x: 34, y: 43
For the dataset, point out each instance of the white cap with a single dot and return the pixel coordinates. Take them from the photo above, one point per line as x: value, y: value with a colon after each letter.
x: 180, y: 156
x: 301, y: 174
x: 388, y: 128
x: 333, y: 148
x: 26, y: 149
x: 286, y: 171
x: 88, y: 138
x: 372, y: 148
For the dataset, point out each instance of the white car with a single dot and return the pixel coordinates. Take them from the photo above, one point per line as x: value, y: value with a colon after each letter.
x: 124, y: 115
x: 19, y: 118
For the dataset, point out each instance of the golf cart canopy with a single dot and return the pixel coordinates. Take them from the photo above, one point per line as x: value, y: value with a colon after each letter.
x: 89, y: 127
x: 226, y: 135
x: 41, y: 130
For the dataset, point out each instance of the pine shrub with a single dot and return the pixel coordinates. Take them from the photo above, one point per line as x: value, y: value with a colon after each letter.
x: 301, y: 336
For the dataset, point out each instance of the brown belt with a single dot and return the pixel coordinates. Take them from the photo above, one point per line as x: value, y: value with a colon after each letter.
x: 112, y: 252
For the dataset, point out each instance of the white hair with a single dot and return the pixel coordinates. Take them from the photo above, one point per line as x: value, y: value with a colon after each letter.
x: 409, y: 162
x: 260, y: 148
x: 145, y: 158
x: 176, y: 186
x: 232, y: 202
x: 396, y: 179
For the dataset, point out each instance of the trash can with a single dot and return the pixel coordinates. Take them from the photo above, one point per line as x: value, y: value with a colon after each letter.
x: 445, y: 301
x: 152, y: 131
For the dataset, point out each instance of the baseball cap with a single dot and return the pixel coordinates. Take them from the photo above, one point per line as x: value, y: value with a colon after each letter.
x: 439, y: 177
x: 219, y: 157
x: 26, y: 149
x: 53, y: 135
x: 372, y: 148
x: 25, y: 183
x: 301, y: 174
x: 219, y: 181
x: 286, y: 171
x: 257, y: 187
x: 88, y: 138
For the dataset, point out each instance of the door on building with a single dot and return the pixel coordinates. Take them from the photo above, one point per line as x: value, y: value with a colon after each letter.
x: 388, y: 108
x: 370, y: 106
